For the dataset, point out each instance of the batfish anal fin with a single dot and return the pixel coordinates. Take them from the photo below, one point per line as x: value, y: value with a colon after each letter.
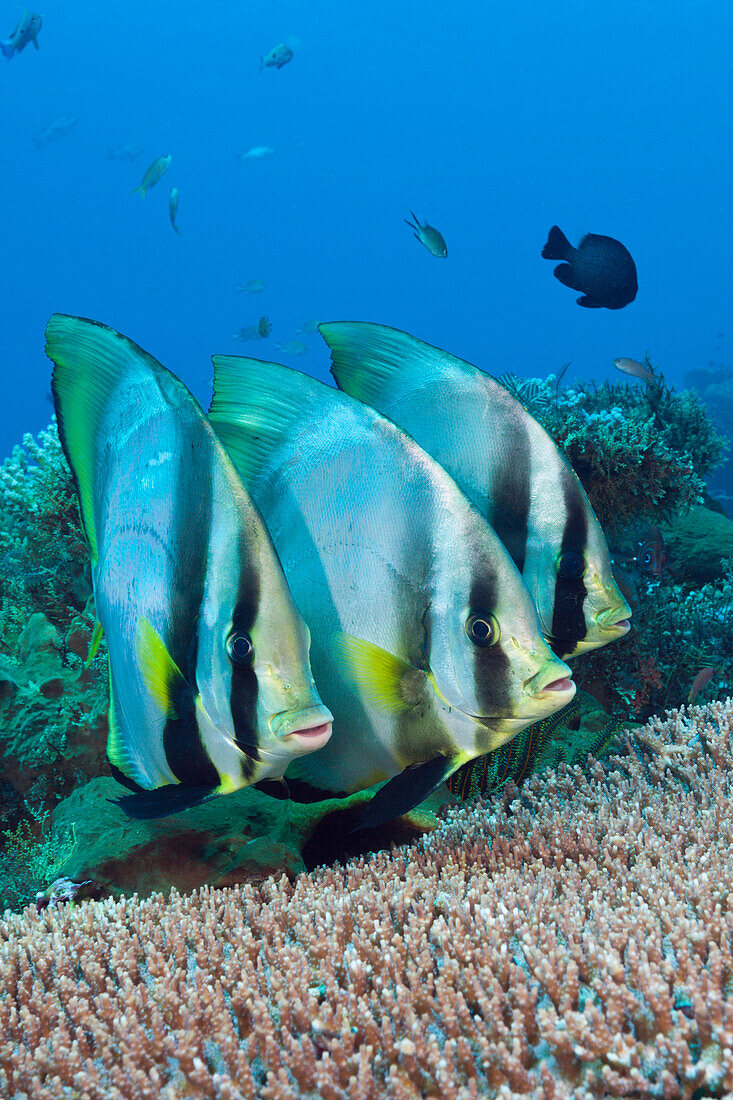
x: 407, y: 790
x: 163, y: 801
x: 589, y: 303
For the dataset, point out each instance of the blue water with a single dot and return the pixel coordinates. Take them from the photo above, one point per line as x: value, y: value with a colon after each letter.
x: 493, y: 121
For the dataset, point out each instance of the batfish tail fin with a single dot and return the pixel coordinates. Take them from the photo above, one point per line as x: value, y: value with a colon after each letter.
x: 558, y: 247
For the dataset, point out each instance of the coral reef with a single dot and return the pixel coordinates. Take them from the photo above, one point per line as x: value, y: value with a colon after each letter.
x: 641, y: 452
x: 573, y: 940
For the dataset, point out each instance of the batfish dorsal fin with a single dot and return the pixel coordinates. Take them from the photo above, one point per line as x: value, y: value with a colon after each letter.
x: 255, y: 406
x: 89, y: 362
x: 367, y: 360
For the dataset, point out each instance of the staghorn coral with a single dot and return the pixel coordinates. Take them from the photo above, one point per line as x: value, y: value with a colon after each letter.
x: 574, y: 941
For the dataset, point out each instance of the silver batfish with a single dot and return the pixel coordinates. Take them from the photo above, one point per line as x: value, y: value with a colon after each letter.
x: 426, y: 646
x: 210, y: 682
x: 505, y: 462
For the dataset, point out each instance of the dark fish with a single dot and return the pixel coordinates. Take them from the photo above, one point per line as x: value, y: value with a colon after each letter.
x: 600, y: 267
x: 700, y: 682
x: 27, y: 30
x: 429, y: 236
x: 652, y: 556
x: 277, y: 57
x: 264, y: 327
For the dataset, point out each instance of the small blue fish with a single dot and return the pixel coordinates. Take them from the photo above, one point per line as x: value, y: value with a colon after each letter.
x: 173, y: 208
x: 153, y: 173
x: 27, y: 30
x: 428, y: 236
x: 277, y: 57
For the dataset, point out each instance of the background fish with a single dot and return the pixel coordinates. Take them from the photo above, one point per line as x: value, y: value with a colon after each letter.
x: 277, y: 57
x: 505, y: 463
x: 210, y: 682
x: 635, y: 369
x: 600, y: 267
x: 292, y: 347
x: 173, y: 208
x: 429, y: 236
x: 257, y: 153
x: 27, y: 30
x: 254, y: 286
x: 425, y: 641
x: 59, y: 128
x: 153, y: 173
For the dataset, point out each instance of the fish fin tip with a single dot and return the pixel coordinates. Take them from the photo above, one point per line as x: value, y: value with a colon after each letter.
x: 558, y: 246
x: 172, y: 798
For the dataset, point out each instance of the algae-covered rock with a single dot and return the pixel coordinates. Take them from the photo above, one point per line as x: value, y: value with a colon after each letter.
x: 241, y: 837
x: 697, y: 543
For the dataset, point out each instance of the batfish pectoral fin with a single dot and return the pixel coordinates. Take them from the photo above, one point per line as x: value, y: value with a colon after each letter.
x: 94, y: 643
x: 161, y: 675
x: 376, y: 673
x: 163, y: 801
x: 407, y: 790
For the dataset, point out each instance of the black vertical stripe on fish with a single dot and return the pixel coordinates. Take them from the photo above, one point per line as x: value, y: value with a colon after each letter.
x: 568, y: 614
x: 491, y: 666
x: 184, y: 749
x: 508, y: 510
x: 244, y: 689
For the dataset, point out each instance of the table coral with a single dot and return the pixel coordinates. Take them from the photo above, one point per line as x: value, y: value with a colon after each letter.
x: 575, y: 940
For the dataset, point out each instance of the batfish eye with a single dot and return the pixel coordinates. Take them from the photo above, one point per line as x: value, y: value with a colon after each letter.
x: 240, y: 648
x: 571, y: 565
x: 483, y: 630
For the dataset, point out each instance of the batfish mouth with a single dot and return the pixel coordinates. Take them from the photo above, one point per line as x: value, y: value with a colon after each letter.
x: 563, y: 684
x: 310, y: 737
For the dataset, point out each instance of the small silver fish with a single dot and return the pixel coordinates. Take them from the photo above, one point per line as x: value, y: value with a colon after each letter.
x: 308, y: 328
x: 153, y: 173
x: 292, y: 347
x: 277, y: 57
x: 27, y: 30
x: 249, y: 332
x: 59, y: 128
x: 257, y: 152
x: 173, y: 208
x: 124, y: 152
x: 700, y: 682
x: 254, y: 286
x: 428, y: 236
x: 635, y: 369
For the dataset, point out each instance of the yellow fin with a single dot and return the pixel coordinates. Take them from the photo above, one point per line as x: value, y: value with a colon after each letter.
x: 160, y: 672
x: 94, y: 643
x: 377, y: 673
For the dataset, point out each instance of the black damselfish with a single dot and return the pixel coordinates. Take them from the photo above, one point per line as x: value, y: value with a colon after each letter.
x: 600, y: 267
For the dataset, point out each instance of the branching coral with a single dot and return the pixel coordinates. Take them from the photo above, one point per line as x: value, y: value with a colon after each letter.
x: 575, y: 941
x: 641, y: 452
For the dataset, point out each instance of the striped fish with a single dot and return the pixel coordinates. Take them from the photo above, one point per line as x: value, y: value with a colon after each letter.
x: 505, y: 463
x: 426, y: 646
x: 210, y: 682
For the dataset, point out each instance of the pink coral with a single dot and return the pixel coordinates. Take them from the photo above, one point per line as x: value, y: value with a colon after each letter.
x: 574, y: 941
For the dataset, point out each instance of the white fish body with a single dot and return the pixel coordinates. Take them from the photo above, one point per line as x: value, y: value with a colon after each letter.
x: 211, y: 688
x: 387, y: 561
x: 504, y: 462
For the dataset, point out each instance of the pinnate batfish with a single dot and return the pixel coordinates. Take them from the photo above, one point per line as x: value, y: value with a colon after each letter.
x: 210, y: 682
x: 600, y: 267
x: 426, y: 646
